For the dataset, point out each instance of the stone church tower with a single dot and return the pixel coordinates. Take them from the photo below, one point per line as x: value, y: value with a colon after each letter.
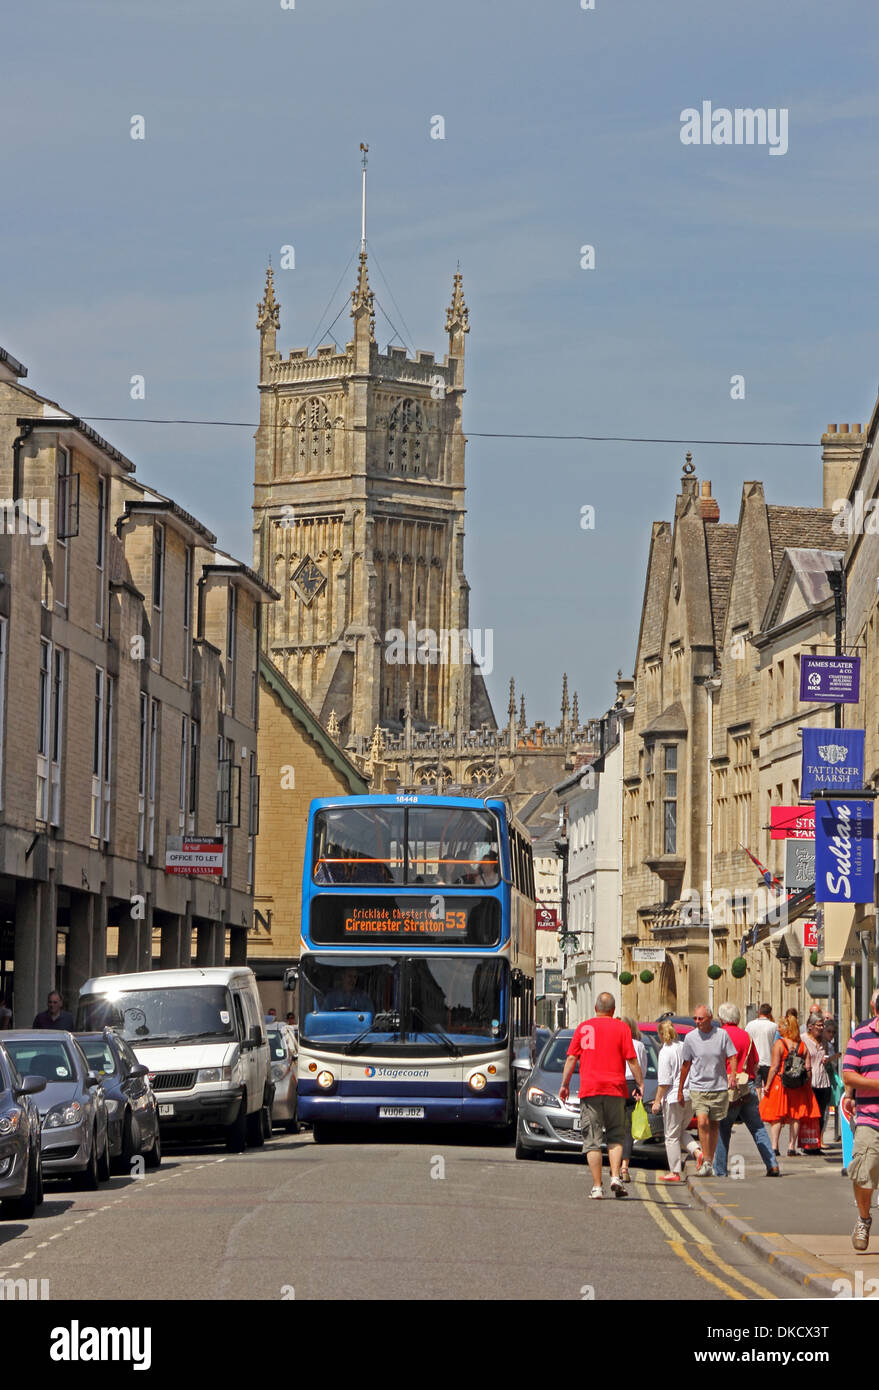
x: 359, y: 506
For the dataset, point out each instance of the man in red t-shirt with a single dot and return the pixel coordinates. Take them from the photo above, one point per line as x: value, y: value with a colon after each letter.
x: 603, y: 1046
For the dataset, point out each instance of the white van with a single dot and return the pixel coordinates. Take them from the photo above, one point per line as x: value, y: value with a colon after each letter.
x: 201, y: 1034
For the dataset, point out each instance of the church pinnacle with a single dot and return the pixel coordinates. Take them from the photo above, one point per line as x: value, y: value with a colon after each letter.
x: 362, y: 305
x: 268, y: 310
x: 457, y: 314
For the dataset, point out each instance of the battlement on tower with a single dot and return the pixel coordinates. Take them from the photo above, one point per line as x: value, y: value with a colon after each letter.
x: 327, y: 363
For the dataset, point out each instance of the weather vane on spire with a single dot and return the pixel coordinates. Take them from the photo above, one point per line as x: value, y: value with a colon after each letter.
x: 364, y: 152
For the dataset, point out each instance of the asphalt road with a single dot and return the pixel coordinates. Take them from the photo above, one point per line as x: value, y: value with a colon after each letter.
x: 403, y: 1216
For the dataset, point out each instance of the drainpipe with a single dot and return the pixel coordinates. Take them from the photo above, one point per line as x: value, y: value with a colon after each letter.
x: 199, y: 620
x: 27, y: 430
x: 712, y: 685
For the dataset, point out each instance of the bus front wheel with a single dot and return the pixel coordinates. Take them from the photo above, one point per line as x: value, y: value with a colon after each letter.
x: 324, y: 1133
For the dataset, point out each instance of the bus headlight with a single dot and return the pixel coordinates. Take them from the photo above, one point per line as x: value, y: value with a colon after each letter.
x: 325, y: 1080
x: 477, y: 1081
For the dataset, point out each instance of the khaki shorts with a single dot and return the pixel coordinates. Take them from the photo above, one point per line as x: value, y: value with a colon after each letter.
x: 714, y: 1104
x: 600, y: 1116
x: 863, y: 1166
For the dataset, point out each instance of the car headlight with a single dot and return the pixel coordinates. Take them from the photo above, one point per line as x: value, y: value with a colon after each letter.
x: 70, y: 1113
x: 9, y: 1123
x: 535, y: 1096
x: 477, y: 1081
x: 213, y: 1074
x: 325, y: 1080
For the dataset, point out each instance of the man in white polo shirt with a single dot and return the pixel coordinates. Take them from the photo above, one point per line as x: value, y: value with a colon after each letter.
x: 706, y: 1055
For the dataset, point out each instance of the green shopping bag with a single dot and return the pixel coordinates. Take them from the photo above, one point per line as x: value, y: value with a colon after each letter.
x: 640, y: 1123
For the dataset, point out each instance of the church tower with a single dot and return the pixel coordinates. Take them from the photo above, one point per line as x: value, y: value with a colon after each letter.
x: 359, y: 507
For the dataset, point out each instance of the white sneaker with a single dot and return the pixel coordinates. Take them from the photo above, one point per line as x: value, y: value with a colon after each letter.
x: 705, y: 1170
x: 597, y: 1193
x: 618, y: 1188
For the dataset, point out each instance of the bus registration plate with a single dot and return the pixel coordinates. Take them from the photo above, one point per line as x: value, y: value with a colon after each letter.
x: 401, y: 1112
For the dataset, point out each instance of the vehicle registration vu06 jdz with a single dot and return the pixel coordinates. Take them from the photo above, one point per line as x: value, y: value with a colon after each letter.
x: 401, y: 1112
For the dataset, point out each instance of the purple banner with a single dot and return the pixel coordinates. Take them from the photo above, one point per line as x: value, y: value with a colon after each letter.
x: 844, y: 852
x: 834, y: 679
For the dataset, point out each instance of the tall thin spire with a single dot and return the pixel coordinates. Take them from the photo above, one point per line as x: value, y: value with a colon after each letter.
x: 364, y: 151
x: 565, y: 705
x: 511, y: 707
x: 268, y: 310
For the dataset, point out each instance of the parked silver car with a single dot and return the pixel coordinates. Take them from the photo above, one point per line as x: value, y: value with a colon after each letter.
x: 284, y: 1053
x: 74, y: 1136
x: 21, y: 1167
x: 547, y: 1124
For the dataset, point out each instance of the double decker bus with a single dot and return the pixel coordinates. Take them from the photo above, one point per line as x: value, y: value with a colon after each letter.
x: 416, y: 979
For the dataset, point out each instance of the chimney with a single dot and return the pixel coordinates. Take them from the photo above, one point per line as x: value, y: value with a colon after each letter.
x: 707, y: 504
x: 842, y: 448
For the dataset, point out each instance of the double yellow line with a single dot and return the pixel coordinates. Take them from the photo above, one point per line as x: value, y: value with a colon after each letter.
x: 689, y: 1235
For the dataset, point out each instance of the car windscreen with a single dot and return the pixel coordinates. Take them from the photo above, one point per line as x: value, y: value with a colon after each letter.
x: 552, y: 1058
x: 49, y: 1057
x: 277, y: 1045
x: 191, y: 1013
x: 99, y: 1055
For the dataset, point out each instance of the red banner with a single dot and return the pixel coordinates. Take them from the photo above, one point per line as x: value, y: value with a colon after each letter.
x: 547, y: 919
x: 792, y: 822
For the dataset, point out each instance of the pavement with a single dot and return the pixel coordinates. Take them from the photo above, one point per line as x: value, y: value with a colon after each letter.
x: 799, y: 1223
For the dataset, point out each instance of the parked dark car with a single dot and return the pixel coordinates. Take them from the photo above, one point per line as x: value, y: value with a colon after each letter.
x: 73, y: 1114
x: 21, y: 1163
x: 132, y: 1108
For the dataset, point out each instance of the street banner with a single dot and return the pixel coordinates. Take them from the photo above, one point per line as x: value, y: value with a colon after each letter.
x: 799, y: 864
x: 202, y: 857
x: 810, y: 936
x: 833, y: 760
x: 844, y: 852
x: 547, y: 918
x: 831, y: 679
x: 792, y: 822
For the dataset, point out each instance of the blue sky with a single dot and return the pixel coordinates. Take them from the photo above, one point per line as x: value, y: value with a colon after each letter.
x: 561, y: 129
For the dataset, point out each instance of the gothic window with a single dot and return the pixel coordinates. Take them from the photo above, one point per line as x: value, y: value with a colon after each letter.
x: 406, y: 438
x: 314, y: 437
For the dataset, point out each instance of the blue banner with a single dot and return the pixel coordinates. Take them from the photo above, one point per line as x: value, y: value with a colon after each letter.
x: 833, y: 760
x: 844, y: 851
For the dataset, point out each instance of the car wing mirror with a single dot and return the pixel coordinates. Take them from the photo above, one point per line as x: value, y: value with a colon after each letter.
x: 138, y: 1070
x: 30, y: 1085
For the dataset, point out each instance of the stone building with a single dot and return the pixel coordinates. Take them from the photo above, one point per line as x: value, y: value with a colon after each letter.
x: 128, y: 689
x: 691, y: 773
x: 359, y: 512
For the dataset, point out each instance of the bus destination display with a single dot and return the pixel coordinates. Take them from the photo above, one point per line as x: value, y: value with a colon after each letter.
x: 460, y: 921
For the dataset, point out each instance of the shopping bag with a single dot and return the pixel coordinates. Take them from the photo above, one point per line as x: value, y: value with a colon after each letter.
x: 810, y: 1137
x: 640, y: 1123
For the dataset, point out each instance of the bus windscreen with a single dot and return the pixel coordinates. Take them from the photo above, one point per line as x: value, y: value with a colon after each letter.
x: 439, y: 846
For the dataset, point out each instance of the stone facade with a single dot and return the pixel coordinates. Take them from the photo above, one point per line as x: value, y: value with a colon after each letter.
x: 127, y: 679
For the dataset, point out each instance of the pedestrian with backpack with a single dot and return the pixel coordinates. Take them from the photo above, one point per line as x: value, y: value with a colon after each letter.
x: 789, y: 1097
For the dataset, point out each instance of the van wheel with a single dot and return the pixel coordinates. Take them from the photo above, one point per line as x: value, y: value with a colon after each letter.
x: 255, y: 1128
x: 236, y: 1133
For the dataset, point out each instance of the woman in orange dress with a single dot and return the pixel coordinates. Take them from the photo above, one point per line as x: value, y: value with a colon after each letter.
x: 785, y: 1104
